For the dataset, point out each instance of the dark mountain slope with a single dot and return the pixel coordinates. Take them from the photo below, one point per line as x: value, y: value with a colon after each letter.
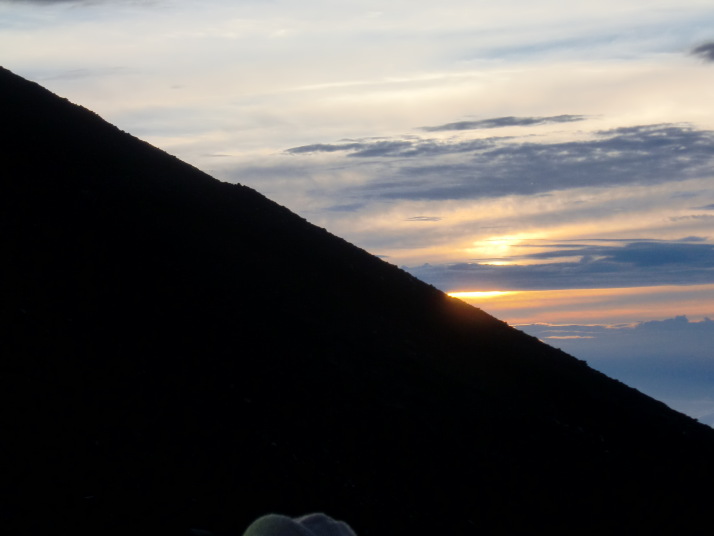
x: 182, y: 352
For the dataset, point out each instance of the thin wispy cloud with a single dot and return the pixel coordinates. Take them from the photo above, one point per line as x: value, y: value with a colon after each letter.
x: 639, y: 253
x: 690, y: 217
x: 499, y: 122
x: 424, y: 218
x: 80, y: 74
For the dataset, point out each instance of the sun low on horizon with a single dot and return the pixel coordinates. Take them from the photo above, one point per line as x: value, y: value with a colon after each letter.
x: 549, y: 163
x: 603, y: 306
x: 480, y: 295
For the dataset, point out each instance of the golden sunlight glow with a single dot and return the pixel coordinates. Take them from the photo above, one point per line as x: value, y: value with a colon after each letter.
x: 592, y: 306
x: 496, y: 248
x: 485, y: 295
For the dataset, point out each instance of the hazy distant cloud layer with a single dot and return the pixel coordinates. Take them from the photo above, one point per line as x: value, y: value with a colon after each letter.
x: 504, y: 122
x: 631, y: 265
x: 425, y: 169
x: 705, y: 51
x: 648, y: 340
x: 670, y: 360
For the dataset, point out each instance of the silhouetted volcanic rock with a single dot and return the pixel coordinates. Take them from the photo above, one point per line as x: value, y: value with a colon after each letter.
x: 179, y: 352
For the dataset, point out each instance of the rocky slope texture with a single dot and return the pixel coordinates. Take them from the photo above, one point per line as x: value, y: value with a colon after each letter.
x: 179, y: 352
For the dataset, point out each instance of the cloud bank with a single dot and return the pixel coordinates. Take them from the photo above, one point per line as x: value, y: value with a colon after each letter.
x: 633, y: 264
x: 433, y: 169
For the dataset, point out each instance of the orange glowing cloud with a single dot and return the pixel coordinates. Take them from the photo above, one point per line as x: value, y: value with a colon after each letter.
x: 485, y: 295
x: 609, y: 305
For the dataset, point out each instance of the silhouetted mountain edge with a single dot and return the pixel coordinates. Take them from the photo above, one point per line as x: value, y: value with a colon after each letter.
x: 180, y: 352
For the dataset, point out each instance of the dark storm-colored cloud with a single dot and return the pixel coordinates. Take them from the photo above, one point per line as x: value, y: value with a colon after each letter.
x: 632, y: 265
x: 509, y: 121
x: 705, y: 51
x: 427, y: 169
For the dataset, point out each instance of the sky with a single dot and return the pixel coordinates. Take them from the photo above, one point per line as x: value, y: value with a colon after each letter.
x: 553, y: 159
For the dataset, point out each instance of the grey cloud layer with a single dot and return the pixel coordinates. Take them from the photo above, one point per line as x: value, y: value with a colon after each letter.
x: 705, y: 51
x: 397, y: 148
x: 509, y: 121
x: 640, y: 253
x: 428, y: 169
x: 632, y: 265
